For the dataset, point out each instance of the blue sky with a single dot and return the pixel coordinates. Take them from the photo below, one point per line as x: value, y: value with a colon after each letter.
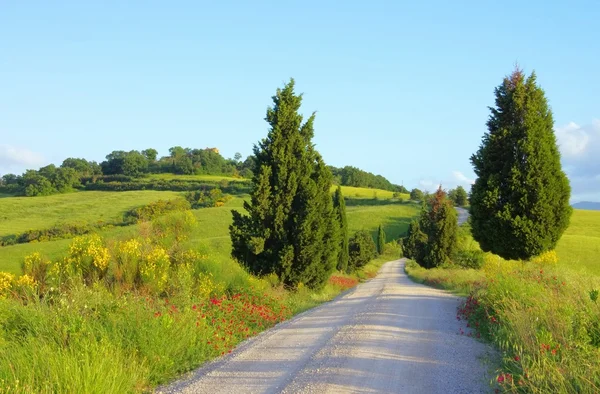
x: 400, y: 88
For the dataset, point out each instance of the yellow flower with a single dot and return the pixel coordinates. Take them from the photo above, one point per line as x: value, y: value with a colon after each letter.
x: 546, y: 258
x: 6, y: 281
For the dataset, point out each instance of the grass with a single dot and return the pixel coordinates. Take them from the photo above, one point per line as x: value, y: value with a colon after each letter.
x: 363, y: 192
x: 107, y: 337
x: 212, y: 231
x: 197, y: 177
x: 579, y: 247
x: 19, y: 214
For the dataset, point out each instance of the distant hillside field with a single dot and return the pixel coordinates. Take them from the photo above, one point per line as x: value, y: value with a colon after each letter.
x: 579, y: 247
x: 212, y: 232
x: 19, y: 214
x: 595, y: 206
x: 198, y: 177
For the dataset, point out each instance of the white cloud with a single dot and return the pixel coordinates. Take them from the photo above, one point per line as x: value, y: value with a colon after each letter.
x: 12, y: 157
x: 462, y: 179
x: 580, y: 151
x: 573, y: 140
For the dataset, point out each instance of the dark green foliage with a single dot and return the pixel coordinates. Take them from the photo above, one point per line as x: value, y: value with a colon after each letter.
x: 352, y: 176
x: 380, y: 240
x: 207, y: 198
x: 362, y: 249
x: 132, y: 163
x: 458, y: 196
x: 339, y: 206
x: 290, y: 229
x: 413, y: 243
x: 520, y: 200
x: 83, y: 167
x: 150, y: 154
x: 432, y: 241
x: 35, y: 184
x: 416, y: 195
x: 156, y: 209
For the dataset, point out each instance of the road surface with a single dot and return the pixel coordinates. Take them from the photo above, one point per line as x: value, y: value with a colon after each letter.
x: 386, y: 335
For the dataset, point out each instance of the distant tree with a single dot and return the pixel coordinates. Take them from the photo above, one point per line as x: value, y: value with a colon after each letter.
x: 290, y: 229
x: 380, y: 240
x: 150, y: 154
x: 82, y: 166
x: 460, y: 196
x: 10, y: 179
x: 402, y: 189
x: 413, y: 245
x: 416, y: 195
x: 35, y: 184
x: 362, y: 249
x: 339, y: 207
x: 439, y: 223
x: 65, y: 180
x: 237, y: 156
x: 520, y: 200
x: 131, y: 163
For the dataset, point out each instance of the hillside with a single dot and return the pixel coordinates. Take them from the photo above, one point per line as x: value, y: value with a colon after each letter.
x: 587, y: 205
x: 212, y: 232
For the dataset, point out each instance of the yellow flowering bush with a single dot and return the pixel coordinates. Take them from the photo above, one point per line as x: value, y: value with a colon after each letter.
x: 547, y: 258
x: 206, y: 286
x: 6, y: 281
x: 25, y: 285
x: 154, y: 268
x: 88, y: 256
x: 36, y: 266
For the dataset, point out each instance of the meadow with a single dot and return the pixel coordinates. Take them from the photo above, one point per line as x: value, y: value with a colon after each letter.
x: 213, y: 223
x: 579, y: 247
x: 19, y: 214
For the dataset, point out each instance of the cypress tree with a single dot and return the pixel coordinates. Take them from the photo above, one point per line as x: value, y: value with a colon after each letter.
x: 380, y: 240
x: 339, y: 205
x: 290, y: 229
x: 520, y: 200
x: 439, y: 223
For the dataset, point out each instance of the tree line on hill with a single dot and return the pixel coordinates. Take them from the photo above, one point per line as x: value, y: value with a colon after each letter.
x: 121, y: 166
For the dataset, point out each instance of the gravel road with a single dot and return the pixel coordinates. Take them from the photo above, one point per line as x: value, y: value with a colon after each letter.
x: 386, y: 335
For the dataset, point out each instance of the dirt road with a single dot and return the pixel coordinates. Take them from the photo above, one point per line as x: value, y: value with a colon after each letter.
x: 386, y: 335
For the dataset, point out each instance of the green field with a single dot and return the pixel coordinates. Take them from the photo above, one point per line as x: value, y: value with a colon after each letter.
x: 212, y: 232
x: 19, y: 214
x: 579, y: 247
x: 363, y: 192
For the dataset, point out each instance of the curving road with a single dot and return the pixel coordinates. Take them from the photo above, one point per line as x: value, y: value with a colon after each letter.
x: 387, y: 335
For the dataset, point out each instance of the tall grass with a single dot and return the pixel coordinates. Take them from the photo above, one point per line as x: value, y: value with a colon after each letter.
x: 543, y: 317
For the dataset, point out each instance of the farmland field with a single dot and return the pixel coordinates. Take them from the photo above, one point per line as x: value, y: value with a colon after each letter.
x: 579, y: 247
x: 214, y: 178
x: 19, y: 214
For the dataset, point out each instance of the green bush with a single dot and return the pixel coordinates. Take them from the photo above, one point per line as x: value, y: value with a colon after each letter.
x: 156, y: 209
x: 207, y: 198
x: 362, y: 250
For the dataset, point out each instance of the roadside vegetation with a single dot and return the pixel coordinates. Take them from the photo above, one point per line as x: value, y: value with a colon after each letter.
x: 521, y: 295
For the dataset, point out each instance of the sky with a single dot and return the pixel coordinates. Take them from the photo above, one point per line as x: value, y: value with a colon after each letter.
x: 400, y: 88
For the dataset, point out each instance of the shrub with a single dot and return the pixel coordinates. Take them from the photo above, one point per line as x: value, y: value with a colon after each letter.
x: 157, y: 208
x: 362, y: 249
x: 36, y: 266
x: 207, y: 198
x: 469, y: 258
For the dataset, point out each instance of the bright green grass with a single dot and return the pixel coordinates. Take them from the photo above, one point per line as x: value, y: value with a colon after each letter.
x: 19, y: 214
x: 215, y: 178
x: 394, y: 218
x: 212, y: 231
x: 363, y: 192
x: 579, y: 247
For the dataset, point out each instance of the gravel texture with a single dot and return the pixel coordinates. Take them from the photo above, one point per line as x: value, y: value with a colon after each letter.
x: 387, y: 335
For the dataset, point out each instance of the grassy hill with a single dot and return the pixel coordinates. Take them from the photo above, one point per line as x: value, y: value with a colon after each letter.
x: 211, y: 234
x: 579, y: 247
x: 19, y: 214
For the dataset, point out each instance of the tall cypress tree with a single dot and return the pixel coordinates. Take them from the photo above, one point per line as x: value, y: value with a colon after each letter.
x: 339, y: 205
x: 380, y: 240
x: 520, y: 200
x: 290, y: 229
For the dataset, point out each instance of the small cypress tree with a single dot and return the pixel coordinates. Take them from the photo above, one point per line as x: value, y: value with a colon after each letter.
x: 413, y: 245
x: 520, y: 200
x: 460, y: 196
x: 339, y: 205
x: 439, y: 223
x: 380, y: 240
x: 290, y: 229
